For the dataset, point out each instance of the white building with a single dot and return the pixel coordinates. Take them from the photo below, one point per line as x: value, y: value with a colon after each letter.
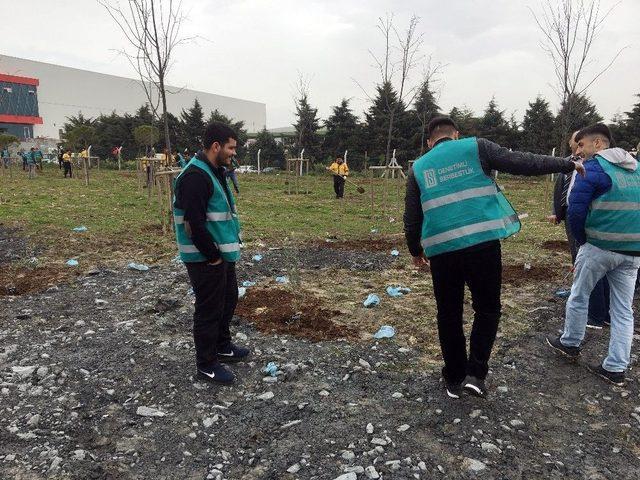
x: 60, y: 92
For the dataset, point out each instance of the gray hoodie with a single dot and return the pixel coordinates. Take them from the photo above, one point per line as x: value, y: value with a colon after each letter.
x: 620, y: 157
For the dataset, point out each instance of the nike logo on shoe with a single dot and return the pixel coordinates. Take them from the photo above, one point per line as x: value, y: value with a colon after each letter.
x: 226, y: 354
x: 210, y: 375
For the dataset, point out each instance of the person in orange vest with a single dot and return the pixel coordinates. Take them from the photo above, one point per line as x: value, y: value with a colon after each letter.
x: 340, y: 170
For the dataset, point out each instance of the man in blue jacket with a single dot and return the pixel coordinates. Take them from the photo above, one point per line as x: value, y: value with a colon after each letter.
x: 604, y: 216
x: 599, y: 300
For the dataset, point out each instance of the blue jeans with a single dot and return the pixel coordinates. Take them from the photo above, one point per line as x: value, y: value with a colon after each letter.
x: 592, y: 264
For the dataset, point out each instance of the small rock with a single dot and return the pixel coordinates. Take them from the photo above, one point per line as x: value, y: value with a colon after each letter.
x: 34, y: 420
x: 266, y: 396
x: 209, y: 421
x: 369, y: 428
x: 323, y: 393
x: 502, y: 389
x: 475, y: 413
x: 397, y: 395
x: 242, y: 337
x: 149, y: 412
x: 79, y: 455
x: 42, y: 372
x: 516, y: 423
x: 379, y: 441
x: 348, y: 455
x: 295, y: 468
x: 55, y: 464
x: 370, y: 472
x: 490, y: 447
x: 347, y: 476
x: 473, y: 465
x: 24, y: 372
x: 403, y: 428
x: 363, y: 363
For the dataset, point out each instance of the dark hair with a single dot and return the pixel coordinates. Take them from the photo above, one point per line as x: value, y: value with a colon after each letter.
x: 438, y: 122
x: 595, y: 129
x: 217, y: 132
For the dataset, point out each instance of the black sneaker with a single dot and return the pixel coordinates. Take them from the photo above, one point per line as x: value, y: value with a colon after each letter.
x: 556, y: 344
x: 617, y: 378
x: 234, y: 353
x: 475, y: 386
x: 216, y: 374
x: 454, y: 390
x: 594, y: 324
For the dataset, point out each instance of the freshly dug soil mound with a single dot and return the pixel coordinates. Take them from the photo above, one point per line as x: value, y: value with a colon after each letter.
x: 517, y: 275
x: 19, y: 281
x: 280, y: 311
x: 556, y: 245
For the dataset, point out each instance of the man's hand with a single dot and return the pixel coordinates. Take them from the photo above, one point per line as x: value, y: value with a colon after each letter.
x: 553, y: 219
x: 421, y: 262
x: 217, y: 262
x: 579, y: 167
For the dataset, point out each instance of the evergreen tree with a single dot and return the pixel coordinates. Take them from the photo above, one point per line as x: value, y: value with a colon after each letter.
x: 175, y: 132
x: 192, y: 127
x: 342, y: 133
x: 143, y: 116
x: 538, y: 128
x: 576, y: 113
x: 307, y: 126
x: 632, y: 124
x: 377, y: 120
x: 271, y: 152
x: 466, y: 121
x: 493, y: 125
x: 238, y: 127
x: 424, y: 108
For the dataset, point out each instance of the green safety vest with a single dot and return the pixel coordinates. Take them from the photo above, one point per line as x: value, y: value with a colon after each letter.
x: 462, y: 206
x: 613, y: 222
x: 222, y: 222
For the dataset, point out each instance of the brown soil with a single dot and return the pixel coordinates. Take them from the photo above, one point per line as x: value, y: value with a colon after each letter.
x: 517, y: 275
x: 280, y: 311
x: 18, y: 281
x: 556, y: 245
x: 366, y: 244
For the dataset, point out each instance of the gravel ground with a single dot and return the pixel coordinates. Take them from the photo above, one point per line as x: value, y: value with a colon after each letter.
x: 96, y: 381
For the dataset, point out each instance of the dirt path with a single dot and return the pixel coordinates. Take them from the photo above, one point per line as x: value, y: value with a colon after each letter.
x: 78, y: 361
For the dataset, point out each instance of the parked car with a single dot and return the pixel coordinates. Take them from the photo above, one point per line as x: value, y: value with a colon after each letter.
x: 271, y: 170
x: 247, y: 169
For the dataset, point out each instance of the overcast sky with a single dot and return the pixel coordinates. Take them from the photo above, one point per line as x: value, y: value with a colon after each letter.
x: 256, y: 49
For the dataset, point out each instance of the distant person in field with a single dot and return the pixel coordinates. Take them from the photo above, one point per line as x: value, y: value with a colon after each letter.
x: 233, y: 175
x: 604, y: 215
x: 455, y: 216
x: 6, y: 157
x: 60, y: 158
x: 24, y: 155
x: 38, y: 156
x: 208, y: 237
x: 340, y: 170
x: 599, y: 300
x: 32, y: 162
x: 66, y: 162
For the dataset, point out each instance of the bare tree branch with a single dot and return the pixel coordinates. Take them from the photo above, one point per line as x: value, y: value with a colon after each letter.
x: 152, y: 30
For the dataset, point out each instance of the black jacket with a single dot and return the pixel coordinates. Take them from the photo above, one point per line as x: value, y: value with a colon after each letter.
x: 492, y: 157
x: 193, y: 191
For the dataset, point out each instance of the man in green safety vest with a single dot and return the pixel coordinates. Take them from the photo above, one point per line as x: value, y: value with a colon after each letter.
x: 455, y: 216
x: 604, y: 216
x: 208, y: 236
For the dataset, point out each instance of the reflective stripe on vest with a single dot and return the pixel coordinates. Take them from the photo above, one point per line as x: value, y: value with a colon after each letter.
x: 224, y: 248
x: 613, y: 222
x: 469, y: 230
x: 599, y: 205
x: 458, y: 196
x: 462, y: 206
x: 211, y: 217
